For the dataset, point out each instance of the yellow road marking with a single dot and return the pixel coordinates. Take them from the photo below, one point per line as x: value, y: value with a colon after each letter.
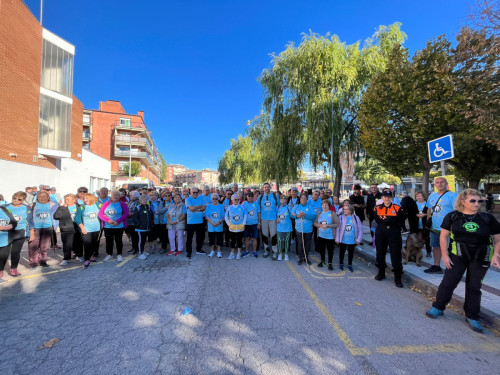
x: 43, y: 274
x: 336, y: 326
x: 125, y: 260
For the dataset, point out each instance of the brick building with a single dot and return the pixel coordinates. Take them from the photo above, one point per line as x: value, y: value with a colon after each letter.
x: 120, y: 137
x: 41, y: 124
x: 199, y: 178
x: 172, y: 170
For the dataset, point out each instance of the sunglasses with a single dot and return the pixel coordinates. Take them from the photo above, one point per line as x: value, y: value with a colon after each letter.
x: 214, y: 199
x: 17, y: 199
x: 82, y: 191
x: 475, y: 200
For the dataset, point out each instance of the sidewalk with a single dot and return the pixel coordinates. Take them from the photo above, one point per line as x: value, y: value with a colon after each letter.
x: 429, y: 283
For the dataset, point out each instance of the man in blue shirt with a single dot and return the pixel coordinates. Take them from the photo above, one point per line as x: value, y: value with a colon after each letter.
x: 315, y: 202
x: 195, y: 206
x: 438, y: 206
x: 268, y: 204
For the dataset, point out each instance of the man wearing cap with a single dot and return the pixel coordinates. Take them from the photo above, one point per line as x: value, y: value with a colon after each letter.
x: 293, y: 200
x: 252, y: 225
x: 268, y: 204
x: 390, y: 218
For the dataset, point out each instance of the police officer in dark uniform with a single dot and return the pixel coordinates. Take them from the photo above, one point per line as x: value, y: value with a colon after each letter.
x: 390, y: 219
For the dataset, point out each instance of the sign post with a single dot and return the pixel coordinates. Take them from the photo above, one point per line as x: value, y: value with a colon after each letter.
x: 441, y: 149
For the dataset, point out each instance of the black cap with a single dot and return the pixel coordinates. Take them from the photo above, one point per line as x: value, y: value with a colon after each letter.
x: 386, y: 194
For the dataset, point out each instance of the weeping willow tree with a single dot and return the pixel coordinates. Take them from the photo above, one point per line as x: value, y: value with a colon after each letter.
x: 239, y: 162
x: 311, y: 97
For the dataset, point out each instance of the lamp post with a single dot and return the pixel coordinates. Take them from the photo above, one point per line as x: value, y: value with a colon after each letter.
x: 331, y: 156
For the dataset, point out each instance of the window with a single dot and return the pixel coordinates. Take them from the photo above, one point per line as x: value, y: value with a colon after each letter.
x: 121, y: 165
x: 125, y: 122
x: 57, y: 69
x: 54, y: 130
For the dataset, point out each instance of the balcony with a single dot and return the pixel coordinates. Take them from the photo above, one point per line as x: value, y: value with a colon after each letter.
x: 134, y: 140
x: 86, y: 137
x: 135, y: 154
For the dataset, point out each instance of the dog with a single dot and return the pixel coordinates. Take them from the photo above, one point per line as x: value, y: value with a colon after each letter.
x: 413, y: 248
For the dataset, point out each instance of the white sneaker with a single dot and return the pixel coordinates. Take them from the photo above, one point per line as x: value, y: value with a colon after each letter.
x: 107, y: 259
x: 231, y: 256
x: 80, y: 259
x: 286, y: 257
x: 212, y: 253
x: 238, y: 256
x: 142, y: 256
x: 219, y: 254
x: 64, y: 262
x: 146, y: 254
x: 119, y: 258
x: 280, y: 257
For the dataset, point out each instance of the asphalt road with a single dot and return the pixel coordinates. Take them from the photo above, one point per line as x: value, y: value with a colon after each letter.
x: 252, y: 316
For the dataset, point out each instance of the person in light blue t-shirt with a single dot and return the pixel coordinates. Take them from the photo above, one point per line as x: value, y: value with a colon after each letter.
x: 215, y: 217
x: 284, y: 227
x: 304, y: 216
x: 326, y: 222
x: 253, y: 223
x: 195, y: 206
x: 438, y: 206
x: 236, y: 218
x: 268, y: 203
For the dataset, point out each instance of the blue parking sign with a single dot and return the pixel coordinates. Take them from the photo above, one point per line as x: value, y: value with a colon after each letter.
x: 441, y: 149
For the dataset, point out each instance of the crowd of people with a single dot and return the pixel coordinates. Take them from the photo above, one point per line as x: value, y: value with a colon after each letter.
x: 167, y: 221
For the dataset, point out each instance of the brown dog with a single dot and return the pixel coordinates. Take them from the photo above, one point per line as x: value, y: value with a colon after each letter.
x: 413, y: 248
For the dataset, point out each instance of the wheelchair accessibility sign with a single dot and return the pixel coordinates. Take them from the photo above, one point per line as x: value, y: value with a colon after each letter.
x: 441, y: 149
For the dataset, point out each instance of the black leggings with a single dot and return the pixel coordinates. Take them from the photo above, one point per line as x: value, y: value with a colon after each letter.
x: 134, y: 237
x: 163, y: 235
x: 143, y: 236
x: 350, y: 253
x: 90, y: 244
x: 4, y: 255
x: 15, y: 252
x: 67, y: 239
x: 329, y: 244
x: 116, y: 235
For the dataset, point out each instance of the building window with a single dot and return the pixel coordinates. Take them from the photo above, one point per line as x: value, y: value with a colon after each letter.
x: 125, y: 122
x: 86, y: 146
x: 54, y: 130
x: 57, y: 69
x: 122, y: 164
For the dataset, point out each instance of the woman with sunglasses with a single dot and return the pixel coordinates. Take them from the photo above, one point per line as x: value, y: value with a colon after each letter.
x: 80, y: 195
x: 176, y: 224
x: 18, y: 234
x: 215, y: 217
x: 465, y: 241
x: 87, y: 218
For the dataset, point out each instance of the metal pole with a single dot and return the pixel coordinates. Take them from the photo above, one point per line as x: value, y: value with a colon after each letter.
x: 41, y: 12
x: 443, y: 168
x: 130, y: 155
x: 331, y: 159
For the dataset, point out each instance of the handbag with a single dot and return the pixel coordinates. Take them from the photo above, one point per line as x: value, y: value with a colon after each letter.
x: 428, y: 223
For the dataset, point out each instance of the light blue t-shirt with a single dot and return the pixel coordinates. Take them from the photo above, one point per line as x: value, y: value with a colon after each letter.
x: 268, y: 206
x: 444, y: 206
x: 20, y: 214
x: 91, y: 218
x: 305, y: 224
x: 316, y: 205
x: 72, y: 211
x: 215, y: 213
x: 325, y: 218
x: 420, y: 209
x: 53, y: 198
x: 194, y: 217
x: 236, y: 214
x: 4, y: 234
x: 226, y: 203
x: 349, y: 237
x: 163, y: 218
x: 154, y: 206
x: 42, y: 217
x: 113, y: 212
x: 101, y: 201
x: 252, y: 210
x: 293, y: 202
x: 207, y: 199
x: 285, y: 218
x: 396, y: 200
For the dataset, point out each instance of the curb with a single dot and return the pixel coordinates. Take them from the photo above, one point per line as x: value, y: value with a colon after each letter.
x: 487, y: 317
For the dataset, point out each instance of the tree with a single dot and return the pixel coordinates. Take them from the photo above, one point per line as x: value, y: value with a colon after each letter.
x: 136, y: 169
x: 311, y: 95
x: 238, y: 164
x: 407, y: 105
x: 371, y: 171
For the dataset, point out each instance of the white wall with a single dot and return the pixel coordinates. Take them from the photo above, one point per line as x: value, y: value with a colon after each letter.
x: 92, y: 170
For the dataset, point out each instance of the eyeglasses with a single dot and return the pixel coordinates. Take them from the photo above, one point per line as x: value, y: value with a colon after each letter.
x: 476, y: 201
x: 17, y: 199
x: 214, y: 199
x: 82, y: 191
x: 194, y: 192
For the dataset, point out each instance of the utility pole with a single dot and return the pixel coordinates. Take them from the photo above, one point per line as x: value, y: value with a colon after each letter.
x: 41, y: 12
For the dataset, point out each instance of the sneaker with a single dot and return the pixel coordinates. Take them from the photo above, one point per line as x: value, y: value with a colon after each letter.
x: 231, y: 256
x: 178, y: 253
x: 92, y: 259
x: 14, y: 272
x: 474, y: 325
x: 275, y: 256
x: 188, y: 255
x: 330, y: 267
x: 280, y: 257
x: 308, y: 261
x: 256, y: 254
x: 146, y: 253
x: 429, y: 255
x: 162, y: 251
x: 341, y: 267
x: 219, y: 254
x: 171, y: 253
x: 405, y: 232
x: 434, y: 269
x: 434, y: 313
x: 286, y: 257
x: 349, y: 267
x: 43, y: 263
x: 212, y: 253
x: 300, y: 261
x: 119, y: 258
x: 201, y: 252
x: 108, y: 258
x: 86, y: 264
x: 33, y: 266
x: 2, y: 281
x: 238, y: 256
x: 142, y: 257
x: 266, y: 254
x: 131, y: 251
x: 64, y: 263
x: 80, y: 259
x: 321, y: 264
x: 245, y: 254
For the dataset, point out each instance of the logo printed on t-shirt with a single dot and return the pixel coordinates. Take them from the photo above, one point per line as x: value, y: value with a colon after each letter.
x: 42, y: 215
x: 348, y: 228
x: 316, y: 210
x: 438, y: 208
x: 111, y: 212
x: 282, y: 216
x: 4, y: 222
x: 18, y: 218
x: 251, y: 213
x: 471, y: 227
x: 92, y: 216
x: 215, y: 215
x: 267, y: 204
x: 236, y: 217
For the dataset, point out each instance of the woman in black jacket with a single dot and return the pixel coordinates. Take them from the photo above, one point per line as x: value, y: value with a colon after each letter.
x: 143, y: 218
x: 66, y: 216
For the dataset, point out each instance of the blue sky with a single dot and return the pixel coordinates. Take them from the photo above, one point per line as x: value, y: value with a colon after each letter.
x: 193, y: 66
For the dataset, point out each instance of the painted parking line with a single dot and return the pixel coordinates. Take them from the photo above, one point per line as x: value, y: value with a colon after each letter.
x: 388, y: 350
x: 124, y: 261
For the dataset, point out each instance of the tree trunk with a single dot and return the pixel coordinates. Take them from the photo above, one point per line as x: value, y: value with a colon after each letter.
x: 425, y: 177
x: 338, y: 179
x: 473, y: 184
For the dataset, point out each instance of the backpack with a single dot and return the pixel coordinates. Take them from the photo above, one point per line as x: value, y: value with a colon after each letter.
x: 275, y: 200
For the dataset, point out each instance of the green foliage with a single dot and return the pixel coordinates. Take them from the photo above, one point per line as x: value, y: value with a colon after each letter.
x: 371, y: 171
x: 136, y: 168
x: 239, y: 163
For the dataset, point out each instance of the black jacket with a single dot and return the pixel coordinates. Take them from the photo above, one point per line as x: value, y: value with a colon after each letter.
x: 371, y: 202
x: 143, y: 217
x: 66, y: 223
x: 409, y: 206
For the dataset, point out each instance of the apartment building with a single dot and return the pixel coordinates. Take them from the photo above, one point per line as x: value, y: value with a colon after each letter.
x: 121, y: 137
x: 194, y: 177
x: 172, y: 170
x: 41, y: 124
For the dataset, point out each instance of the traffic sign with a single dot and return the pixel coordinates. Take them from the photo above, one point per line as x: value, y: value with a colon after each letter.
x: 441, y: 149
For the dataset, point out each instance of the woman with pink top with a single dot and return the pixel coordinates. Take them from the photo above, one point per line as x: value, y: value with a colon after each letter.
x: 114, y: 215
